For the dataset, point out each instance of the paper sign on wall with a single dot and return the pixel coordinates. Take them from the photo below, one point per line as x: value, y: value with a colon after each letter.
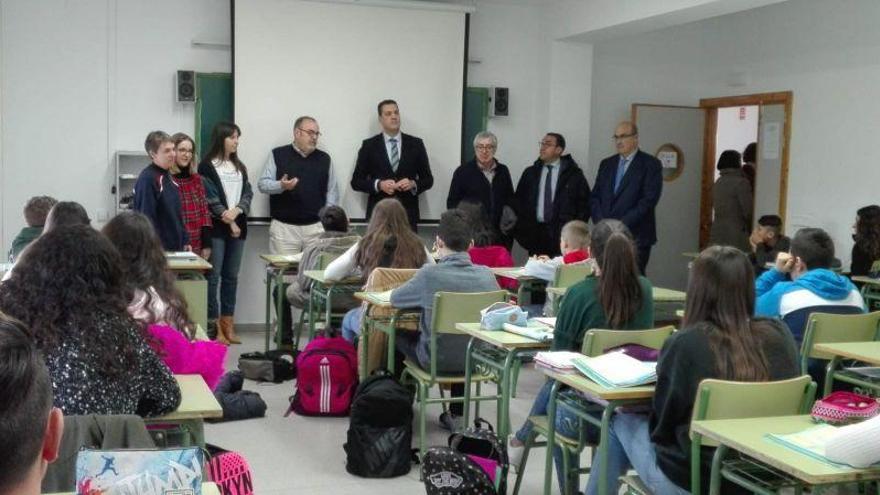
x: 669, y: 159
x: 770, y: 141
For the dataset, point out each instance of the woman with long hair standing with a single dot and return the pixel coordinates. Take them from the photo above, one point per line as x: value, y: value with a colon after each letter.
x: 866, y: 249
x: 720, y: 339
x: 69, y: 289
x: 614, y: 296
x: 229, y: 198
x: 193, y: 199
x: 732, y: 203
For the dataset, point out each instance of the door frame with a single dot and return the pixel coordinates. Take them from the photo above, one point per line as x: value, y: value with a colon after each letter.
x: 712, y: 105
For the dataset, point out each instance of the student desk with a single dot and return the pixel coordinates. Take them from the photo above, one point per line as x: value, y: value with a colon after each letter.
x: 197, y: 404
x: 866, y: 352
x: 385, y: 323
x: 189, y: 274
x: 322, y: 292
x: 277, y: 265
x: 749, y: 436
x: 608, y: 399
x: 527, y: 284
x: 498, y: 358
x: 669, y: 300
x: 870, y: 289
x: 208, y: 488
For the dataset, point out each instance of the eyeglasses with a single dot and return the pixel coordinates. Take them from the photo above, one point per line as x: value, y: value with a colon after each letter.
x: 310, y: 132
x: 618, y: 137
x: 485, y: 147
x: 546, y: 144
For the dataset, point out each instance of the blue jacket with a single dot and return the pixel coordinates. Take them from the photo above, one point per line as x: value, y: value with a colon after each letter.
x: 818, y: 290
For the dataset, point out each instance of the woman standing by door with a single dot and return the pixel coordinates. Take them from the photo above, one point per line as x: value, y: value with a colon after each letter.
x: 229, y: 199
x: 732, y: 203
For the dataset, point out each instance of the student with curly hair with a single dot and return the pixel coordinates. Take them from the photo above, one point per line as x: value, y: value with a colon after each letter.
x: 866, y: 249
x: 69, y: 289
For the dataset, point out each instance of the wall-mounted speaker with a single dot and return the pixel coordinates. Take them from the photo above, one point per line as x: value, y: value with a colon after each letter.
x: 499, y: 101
x: 186, y: 85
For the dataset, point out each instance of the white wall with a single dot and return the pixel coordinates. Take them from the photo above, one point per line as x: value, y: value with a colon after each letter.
x: 825, y: 52
x: 735, y: 133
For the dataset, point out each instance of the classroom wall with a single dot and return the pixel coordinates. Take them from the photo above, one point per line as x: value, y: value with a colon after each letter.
x: 825, y: 52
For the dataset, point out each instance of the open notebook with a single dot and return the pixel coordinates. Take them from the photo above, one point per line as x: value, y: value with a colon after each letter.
x: 616, y: 369
x: 810, y: 442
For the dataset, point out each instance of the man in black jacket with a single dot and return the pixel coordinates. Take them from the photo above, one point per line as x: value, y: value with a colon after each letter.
x: 550, y: 193
x: 485, y: 181
x: 392, y: 164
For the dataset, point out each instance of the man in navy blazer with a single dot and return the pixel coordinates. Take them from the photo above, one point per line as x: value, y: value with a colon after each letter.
x: 627, y: 188
x: 392, y: 164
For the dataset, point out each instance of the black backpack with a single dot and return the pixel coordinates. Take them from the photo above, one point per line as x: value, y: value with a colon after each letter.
x: 274, y: 366
x: 455, y: 470
x: 379, y: 441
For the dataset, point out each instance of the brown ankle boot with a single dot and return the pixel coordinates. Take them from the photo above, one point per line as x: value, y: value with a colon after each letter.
x: 227, y: 325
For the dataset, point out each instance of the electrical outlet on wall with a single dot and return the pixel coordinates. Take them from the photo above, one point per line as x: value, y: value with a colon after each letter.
x: 101, y: 215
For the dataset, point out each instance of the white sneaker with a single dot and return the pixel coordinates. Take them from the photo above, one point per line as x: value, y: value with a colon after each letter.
x: 514, y: 454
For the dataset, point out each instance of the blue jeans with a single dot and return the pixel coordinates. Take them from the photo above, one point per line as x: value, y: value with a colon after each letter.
x: 566, y: 425
x: 226, y: 256
x: 629, y: 445
x: 351, y: 324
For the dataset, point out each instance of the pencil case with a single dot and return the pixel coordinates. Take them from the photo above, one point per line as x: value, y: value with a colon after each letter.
x: 844, y: 407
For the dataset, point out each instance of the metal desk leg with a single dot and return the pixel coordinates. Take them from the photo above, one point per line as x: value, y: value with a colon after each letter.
x: 829, y: 375
x: 365, y: 343
x: 468, y: 362
x: 269, y: 278
x: 551, y: 438
x: 392, y: 348
x: 715, y: 478
x: 603, y: 447
x: 279, y: 301
x: 504, y: 396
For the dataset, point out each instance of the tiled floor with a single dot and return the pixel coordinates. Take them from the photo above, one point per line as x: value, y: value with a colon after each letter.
x: 297, y: 454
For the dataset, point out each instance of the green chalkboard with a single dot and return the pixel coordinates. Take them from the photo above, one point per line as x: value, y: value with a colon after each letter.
x: 213, y: 104
x: 476, y: 115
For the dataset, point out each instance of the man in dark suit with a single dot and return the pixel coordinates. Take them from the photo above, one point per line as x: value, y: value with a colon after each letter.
x: 628, y: 187
x: 392, y: 164
x: 550, y: 193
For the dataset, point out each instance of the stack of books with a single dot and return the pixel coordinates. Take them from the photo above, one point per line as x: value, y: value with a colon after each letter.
x: 616, y: 370
x: 558, y: 361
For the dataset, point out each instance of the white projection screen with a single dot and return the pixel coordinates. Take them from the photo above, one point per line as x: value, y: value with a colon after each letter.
x: 335, y: 62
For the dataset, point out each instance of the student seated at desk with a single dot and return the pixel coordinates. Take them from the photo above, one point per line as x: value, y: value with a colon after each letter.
x: 31, y: 429
x: 802, y: 283
x: 389, y: 242
x: 453, y: 273
x: 157, y: 303
x: 35, y: 211
x: 720, y: 339
x: 574, y: 243
x: 767, y: 241
x: 68, y: 288
x: 487, y: 249
x: 614, y: 296
x: 334, y: 240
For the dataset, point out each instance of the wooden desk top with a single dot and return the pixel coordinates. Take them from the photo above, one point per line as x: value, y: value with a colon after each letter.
x: 500, y: 338
x: 197, y: 401
x: 583, y: 384
x: 208, y: 488
x: 282, y: 260
x: 515, y: 273
x: 868, y: 352
x: 866, y: 280
x: 188, y: 264
x: 749, y: 436
x: 659, y: 293
x: 318, y: 276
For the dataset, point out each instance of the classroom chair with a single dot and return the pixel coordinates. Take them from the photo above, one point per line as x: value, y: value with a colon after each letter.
x: 317, y: 303
x: 595, y: 343
x: 871, y: 292
x: 722, y: 399
x: 449, y: 308
x: 373, y: 355
x: 829, y: 328
x: 568, y: 275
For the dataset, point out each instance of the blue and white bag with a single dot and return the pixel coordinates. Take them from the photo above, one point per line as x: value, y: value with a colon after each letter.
x: 139, y: 472
x: 495, y: 316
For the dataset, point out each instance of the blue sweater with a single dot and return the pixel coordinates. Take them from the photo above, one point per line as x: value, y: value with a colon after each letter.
x: 818, y: 290
x: 157, y: 197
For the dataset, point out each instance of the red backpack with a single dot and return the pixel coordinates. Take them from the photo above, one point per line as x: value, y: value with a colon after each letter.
x: 327, y: 375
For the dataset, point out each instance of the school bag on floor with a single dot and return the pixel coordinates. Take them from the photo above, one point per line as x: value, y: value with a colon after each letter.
x: 474, y: 463
x: 379, y: 443
x: 230, y: 471
x: 326, y: 378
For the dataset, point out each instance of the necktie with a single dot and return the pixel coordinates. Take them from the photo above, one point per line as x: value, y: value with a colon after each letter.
x: 395, y: 155
x: 548, y: 194
x: 621, y: 169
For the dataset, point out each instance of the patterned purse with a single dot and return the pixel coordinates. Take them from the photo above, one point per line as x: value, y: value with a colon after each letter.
x: 841, y: 407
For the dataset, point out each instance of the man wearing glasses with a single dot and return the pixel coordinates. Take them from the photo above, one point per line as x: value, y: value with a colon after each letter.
x: 392, y: 164
x: 299, y: 180
x: 486, y: 182
x: 550, y: 193
x: 628, y: 187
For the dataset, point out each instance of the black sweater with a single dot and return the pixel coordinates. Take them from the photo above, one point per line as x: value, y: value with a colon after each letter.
x: 470, y: 184
x: 686, y: 360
